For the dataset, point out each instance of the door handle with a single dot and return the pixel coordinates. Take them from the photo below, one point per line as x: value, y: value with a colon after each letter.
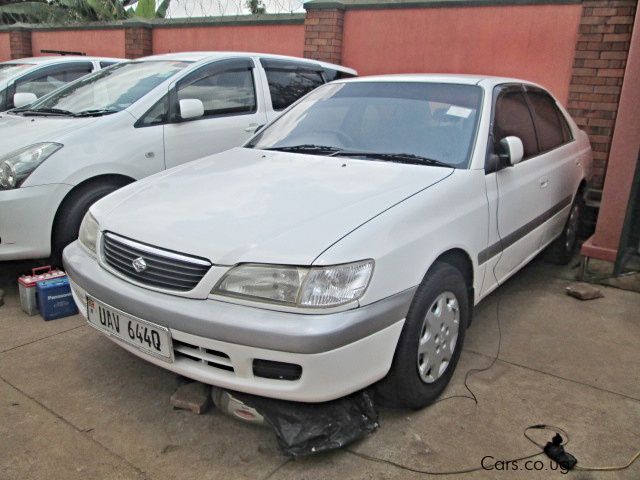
x: 252, y: 127
x: 544, y: 182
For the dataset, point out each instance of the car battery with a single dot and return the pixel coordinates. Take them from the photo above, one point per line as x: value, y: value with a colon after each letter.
x: 27, y: 287
x: 54, y: 298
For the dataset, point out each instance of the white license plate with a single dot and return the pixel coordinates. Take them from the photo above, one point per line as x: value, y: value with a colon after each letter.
x: 146, y: 336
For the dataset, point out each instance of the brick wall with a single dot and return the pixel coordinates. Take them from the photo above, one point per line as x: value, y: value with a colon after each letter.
x: 282, y: 39
x: 323, y: 34
x: 454, y: 39
x: 137, y: 41
x: 108, y: 42
x: 598, y: 70
x: 5, y: 47
x: 20, y: 43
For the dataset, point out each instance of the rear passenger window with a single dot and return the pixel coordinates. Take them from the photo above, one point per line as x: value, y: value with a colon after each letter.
x: 512, y: 118
x: 547, y: 120
x: 77, y: 72
x: 566, y: 131
x: 331, y: 74
x: 287, y: 86
x: 106, y: 64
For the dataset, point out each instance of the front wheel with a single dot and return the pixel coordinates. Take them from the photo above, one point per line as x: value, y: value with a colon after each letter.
x: 431, y: 341
x: 72, y: 212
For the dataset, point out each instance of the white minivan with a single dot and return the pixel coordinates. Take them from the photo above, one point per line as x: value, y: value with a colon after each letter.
x: 97, y: 134
x: 24, y: 80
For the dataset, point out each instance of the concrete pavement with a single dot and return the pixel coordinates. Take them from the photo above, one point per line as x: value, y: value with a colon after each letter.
x: 74, y: 405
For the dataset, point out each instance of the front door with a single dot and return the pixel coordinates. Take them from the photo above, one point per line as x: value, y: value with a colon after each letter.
x: 233, y: 109
x: 522, y: 189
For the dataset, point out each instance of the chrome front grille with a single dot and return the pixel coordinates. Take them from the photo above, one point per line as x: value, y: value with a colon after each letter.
x: 162, y: 268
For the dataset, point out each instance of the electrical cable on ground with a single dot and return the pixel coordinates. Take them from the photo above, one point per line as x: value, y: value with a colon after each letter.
x: 473, y: 371
x: 429, y: 472
x: 610, y: 468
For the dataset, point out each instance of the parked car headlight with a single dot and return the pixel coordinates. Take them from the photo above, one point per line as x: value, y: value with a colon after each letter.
x: 298, y: 286
x: 88, y: 235
x: 16, y: 166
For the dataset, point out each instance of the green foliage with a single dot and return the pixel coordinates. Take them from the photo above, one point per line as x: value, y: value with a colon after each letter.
x: 161, y: 12
x: 256, y: 6
x: 146, y: 9
x: 79, y: 11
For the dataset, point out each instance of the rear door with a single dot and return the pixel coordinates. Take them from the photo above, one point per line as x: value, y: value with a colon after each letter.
x: 287, y: 81
x: 522, y: 189
x: 559, y: 157
x: 233, y: 109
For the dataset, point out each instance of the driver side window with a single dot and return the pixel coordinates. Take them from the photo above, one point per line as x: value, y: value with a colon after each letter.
x: 52, y: 78
x: 513, y: 118
x: 222, y: 93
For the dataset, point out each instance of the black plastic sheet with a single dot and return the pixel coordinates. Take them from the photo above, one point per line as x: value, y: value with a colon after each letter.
x: 309, y: 428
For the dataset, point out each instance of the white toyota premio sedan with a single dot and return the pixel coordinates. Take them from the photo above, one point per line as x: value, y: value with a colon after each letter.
x: 345, y: 244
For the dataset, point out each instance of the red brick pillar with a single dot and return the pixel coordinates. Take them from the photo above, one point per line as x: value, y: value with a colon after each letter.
x: 323, y: 26
x: 598, y: 70
x: 20, y: 43
x: 138, y: 40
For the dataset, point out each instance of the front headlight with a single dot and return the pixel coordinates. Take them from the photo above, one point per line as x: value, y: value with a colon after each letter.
x: 88, y: 235
x: 298, y: 286
x: 16, y: 166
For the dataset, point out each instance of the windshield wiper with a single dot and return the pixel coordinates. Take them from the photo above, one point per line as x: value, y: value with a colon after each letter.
x: 95, y: 113
x: 409, y: 158
x: 45, y: 111
x: 306, y: 148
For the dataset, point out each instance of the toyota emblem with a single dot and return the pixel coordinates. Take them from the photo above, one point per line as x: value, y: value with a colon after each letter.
x: 139, y: 265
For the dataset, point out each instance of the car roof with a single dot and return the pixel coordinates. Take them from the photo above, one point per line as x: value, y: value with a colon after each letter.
x: 44, y: 60
x: 200, y: 56
x: 459, y: 78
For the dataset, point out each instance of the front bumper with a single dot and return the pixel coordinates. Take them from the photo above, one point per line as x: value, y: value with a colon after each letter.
x: 26, y: 219
x: 339, y: 352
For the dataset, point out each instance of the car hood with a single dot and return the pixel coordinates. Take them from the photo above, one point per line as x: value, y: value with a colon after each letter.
x: 248, y: 205
x: 18, y: 131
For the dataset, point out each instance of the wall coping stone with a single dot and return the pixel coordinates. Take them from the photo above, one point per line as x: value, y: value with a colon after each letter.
x: 392, y: 4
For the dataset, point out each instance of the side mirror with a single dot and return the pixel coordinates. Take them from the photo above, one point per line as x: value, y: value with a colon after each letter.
x: 191, y: 108
x: 23, y: 99
x: 513, y: 150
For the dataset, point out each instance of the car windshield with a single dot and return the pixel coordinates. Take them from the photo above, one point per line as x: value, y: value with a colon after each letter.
x: 9, y: 70
x: 109, y: 90
x: 409, y: 122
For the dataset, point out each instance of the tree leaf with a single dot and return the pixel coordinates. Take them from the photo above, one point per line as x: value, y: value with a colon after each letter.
x: 146, y: 9
x: 162, y: 9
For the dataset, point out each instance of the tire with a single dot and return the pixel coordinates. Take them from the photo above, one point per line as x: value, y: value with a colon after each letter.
x: 413, y: 381
x: 70, y: 214
x: 563, y: 248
